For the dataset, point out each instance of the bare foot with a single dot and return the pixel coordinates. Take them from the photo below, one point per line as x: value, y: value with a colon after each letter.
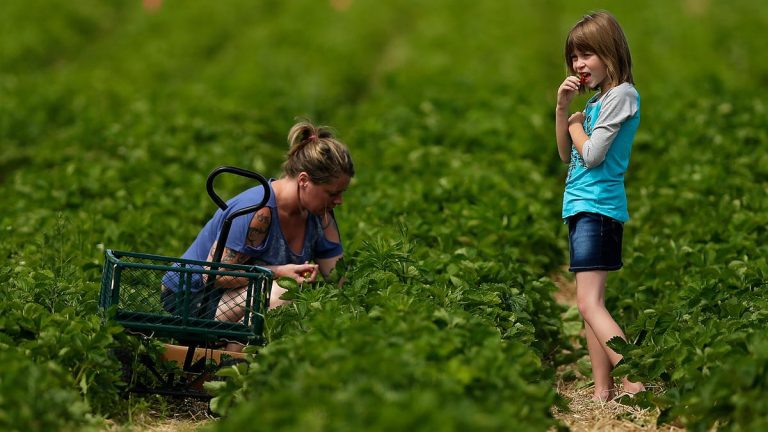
x: 632, y: 387
x: 603, y: 395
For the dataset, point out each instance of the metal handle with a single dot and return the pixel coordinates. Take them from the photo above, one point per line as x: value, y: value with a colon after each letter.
x: 222, y: 205
x: 227, y: 224
x: 238, y: 171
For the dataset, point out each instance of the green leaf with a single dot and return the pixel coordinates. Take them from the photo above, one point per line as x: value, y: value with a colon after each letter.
x: 618, y: 344
x: 214, y: 387
x: 220, y: 404
x: 228, y: 371
x: 287, y: 283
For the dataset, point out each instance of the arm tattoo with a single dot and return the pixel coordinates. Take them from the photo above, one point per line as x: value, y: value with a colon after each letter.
x: 258, y: 229
x: 233, y: 257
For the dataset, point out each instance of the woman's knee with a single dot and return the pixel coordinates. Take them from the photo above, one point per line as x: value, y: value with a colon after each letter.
x: 274, y: 296
x: 230, y: 306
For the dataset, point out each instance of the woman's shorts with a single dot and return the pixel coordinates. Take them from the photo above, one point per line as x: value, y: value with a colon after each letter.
x: 172, y: 302
x: 595, y: 242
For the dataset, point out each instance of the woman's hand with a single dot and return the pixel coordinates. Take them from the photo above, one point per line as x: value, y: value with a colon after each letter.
x: 301, y: 273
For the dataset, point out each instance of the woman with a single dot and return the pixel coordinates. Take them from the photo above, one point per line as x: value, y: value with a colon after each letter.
x: 294, y: 235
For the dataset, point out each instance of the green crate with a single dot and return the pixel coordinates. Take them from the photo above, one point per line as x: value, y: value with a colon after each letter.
x: 131, y: 289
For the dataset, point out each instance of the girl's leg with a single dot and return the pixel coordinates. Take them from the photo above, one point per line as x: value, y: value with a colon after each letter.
x: 590, y: 291
x: 601, y: 367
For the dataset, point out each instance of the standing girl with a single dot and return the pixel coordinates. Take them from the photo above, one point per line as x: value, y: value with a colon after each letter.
x: 596, y: 143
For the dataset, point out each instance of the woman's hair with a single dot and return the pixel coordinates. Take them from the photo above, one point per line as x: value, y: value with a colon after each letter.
x: 316, y: 151
x: 600, y: 33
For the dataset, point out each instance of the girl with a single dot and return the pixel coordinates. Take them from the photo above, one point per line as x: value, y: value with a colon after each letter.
x: 596, y: 144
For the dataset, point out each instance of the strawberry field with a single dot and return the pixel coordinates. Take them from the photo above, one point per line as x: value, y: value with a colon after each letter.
x: 112, y: 114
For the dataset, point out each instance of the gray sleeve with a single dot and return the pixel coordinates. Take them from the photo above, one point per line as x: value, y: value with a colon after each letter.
x: 619, y: 104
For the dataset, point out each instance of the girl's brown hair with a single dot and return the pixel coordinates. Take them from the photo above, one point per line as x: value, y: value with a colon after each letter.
x: 601, y: 34
x: 316, y: 151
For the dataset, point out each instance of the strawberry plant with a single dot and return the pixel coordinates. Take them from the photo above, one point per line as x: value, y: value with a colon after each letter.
x: 111, y: 118
x: 388, y: 340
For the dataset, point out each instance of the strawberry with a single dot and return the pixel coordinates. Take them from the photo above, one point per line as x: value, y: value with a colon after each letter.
x: 583, y: 82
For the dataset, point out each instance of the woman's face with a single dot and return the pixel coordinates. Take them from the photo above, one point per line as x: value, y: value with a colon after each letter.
x: 321, y: 197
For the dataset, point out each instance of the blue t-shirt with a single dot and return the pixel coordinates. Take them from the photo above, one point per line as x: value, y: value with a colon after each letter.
x: 273, y: 251
x: 595, y: 181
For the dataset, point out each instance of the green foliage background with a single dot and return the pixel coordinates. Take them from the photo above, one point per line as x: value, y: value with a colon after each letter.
x: 111, y: 116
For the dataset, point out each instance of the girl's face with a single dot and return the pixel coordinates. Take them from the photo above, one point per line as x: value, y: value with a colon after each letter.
x: 320, y: 198
x: 592, y: 67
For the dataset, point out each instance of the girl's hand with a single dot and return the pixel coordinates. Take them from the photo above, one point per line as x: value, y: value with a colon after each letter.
x: 577, y: 118
x: 567, y: 91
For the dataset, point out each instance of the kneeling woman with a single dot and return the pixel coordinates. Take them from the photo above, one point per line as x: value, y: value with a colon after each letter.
x: 295, y: 234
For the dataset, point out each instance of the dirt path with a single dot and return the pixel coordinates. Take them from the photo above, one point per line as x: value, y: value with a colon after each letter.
x: 174, y: 415
x: 566, y: 287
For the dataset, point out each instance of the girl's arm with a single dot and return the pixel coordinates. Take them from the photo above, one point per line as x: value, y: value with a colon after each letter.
x: 563, y: 137
x: 619, y: 104
x: 576, y: 132
x: 565, y: 95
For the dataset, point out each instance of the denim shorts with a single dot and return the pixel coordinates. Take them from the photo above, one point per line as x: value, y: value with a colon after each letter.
x: 594, y: 241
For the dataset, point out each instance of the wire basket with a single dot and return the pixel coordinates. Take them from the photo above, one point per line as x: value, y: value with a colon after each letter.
x: 135, y: 288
